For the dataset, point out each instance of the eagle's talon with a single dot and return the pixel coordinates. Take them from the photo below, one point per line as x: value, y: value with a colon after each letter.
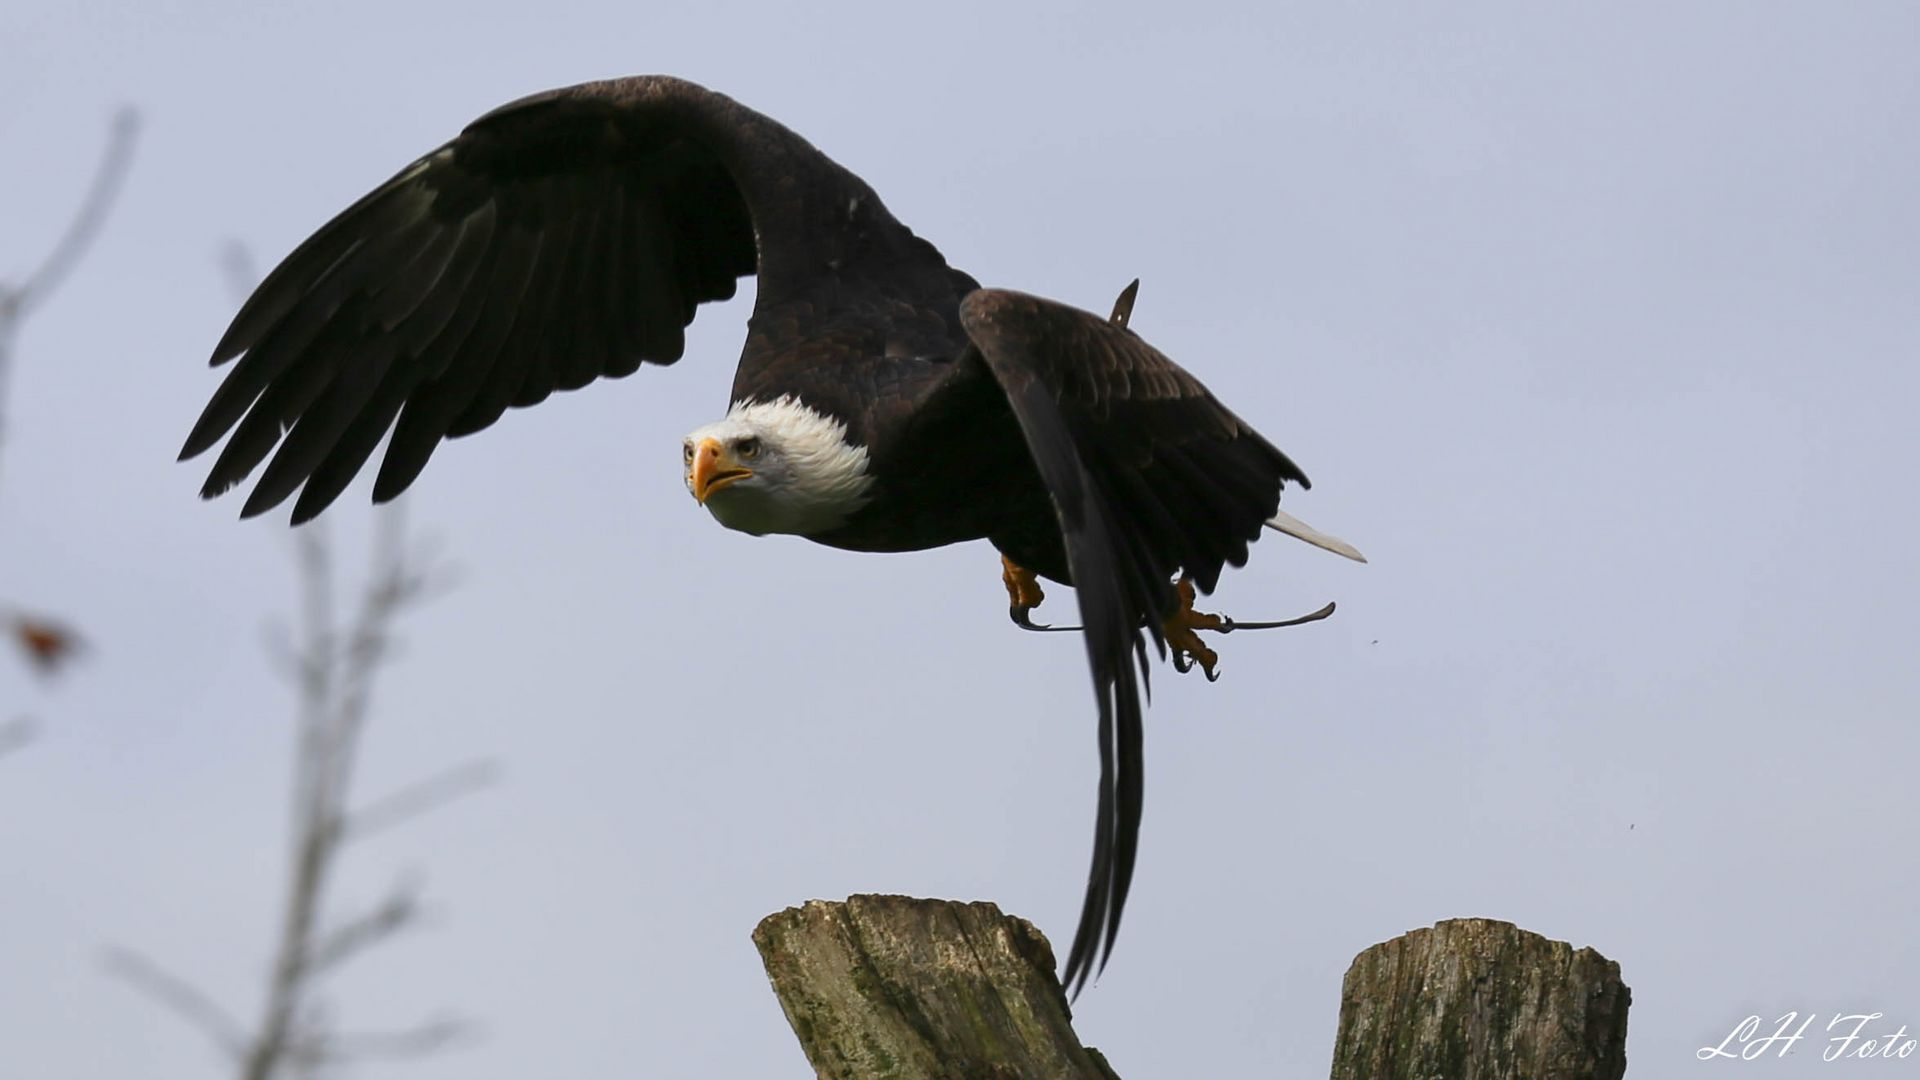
x: 1023, y: 595
x: 1181, y: 631
x: 1021, y: 619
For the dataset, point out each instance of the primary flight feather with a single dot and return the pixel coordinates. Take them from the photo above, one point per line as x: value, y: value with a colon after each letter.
x: 884, y: 401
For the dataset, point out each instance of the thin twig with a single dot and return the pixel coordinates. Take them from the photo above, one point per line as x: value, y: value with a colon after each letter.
x: 336, y: 670
x: 424, y: 797
x: 314, y: 829
x: 332, y: 662
x: 179, y: 996
x: 17, y: 301
x: 398, y: 911
x: 86, y: 223
x: 430, y: 1037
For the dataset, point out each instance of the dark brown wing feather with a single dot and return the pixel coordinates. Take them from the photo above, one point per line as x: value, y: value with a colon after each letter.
x: 559, y: 239
x: 1149, y: 476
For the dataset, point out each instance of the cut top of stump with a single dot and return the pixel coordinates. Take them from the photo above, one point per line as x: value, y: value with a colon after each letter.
x: 891, y: 986
x: 1480, y: 999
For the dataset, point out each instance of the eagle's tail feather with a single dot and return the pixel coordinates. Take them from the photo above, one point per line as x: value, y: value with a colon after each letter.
x: 1286, y: 523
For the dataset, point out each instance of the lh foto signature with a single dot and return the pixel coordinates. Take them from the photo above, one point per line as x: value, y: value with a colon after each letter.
x: 1847, y: 1038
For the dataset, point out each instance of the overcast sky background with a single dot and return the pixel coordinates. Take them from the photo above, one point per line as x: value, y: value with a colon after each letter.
x: 1595, y: 327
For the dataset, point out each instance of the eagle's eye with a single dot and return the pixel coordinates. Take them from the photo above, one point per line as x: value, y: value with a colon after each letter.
x: 686, y: 453
x: 748, y: 448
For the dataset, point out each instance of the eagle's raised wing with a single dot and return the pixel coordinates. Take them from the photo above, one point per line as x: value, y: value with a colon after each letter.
x: 558, y: 239
x: 1149, y: 476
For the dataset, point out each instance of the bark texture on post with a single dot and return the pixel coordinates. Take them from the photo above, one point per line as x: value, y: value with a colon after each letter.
x: 1477, y: 999
x: 889, y: 986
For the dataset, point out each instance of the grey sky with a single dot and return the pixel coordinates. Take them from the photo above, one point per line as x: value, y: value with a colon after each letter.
x: 1595, y: 328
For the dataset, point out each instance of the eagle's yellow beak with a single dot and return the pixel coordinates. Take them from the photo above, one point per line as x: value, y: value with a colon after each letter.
x: 714, y: 468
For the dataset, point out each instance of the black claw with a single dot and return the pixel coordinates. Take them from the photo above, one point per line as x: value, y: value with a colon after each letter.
x: 1025, y: 622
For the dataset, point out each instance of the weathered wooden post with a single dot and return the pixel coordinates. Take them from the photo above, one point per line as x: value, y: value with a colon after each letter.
x: 1478, y: 999
x: 892, y: 988
x: 888, y: 986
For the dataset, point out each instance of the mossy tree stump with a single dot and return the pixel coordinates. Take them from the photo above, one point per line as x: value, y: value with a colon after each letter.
x: 891, y: 987
x: 888, y: 986
x: 1477, y: 999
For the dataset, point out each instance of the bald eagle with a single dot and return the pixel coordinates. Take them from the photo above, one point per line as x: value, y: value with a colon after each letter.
x: 884, y: 400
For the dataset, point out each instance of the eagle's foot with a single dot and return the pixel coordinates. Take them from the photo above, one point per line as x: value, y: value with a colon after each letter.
x: 1181, y: 629
x: 1023, y: 595
x: 1183, y: 640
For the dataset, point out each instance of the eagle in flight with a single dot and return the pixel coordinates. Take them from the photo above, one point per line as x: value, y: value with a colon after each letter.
x: 884, y: 400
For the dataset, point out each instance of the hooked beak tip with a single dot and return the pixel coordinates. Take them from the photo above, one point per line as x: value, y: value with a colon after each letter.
x: 713, y: 469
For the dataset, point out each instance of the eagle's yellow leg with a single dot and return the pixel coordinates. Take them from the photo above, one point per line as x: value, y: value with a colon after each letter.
x: 1181, y: 629
x: 1023, y: 587
x: 1023, y: 595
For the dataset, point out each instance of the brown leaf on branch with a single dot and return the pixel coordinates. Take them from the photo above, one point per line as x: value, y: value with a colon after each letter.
x: 49, y: 646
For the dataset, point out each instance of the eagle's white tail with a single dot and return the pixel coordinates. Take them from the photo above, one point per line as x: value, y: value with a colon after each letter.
x: 1294, y: 527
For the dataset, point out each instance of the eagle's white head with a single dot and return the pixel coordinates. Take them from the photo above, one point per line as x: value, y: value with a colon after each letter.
x: 776, y: 467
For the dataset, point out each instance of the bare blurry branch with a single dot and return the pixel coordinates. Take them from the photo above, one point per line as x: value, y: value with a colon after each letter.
x: 282, y: 657
x: 424, y: 797
x: 16, y: 301
x: 398, y: 911
x: 107, y: 182
x: 45, y: 643
x: 332, y: 659
x: 335, y: 668
x: 430, y: 1037
x: 179, y: 997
